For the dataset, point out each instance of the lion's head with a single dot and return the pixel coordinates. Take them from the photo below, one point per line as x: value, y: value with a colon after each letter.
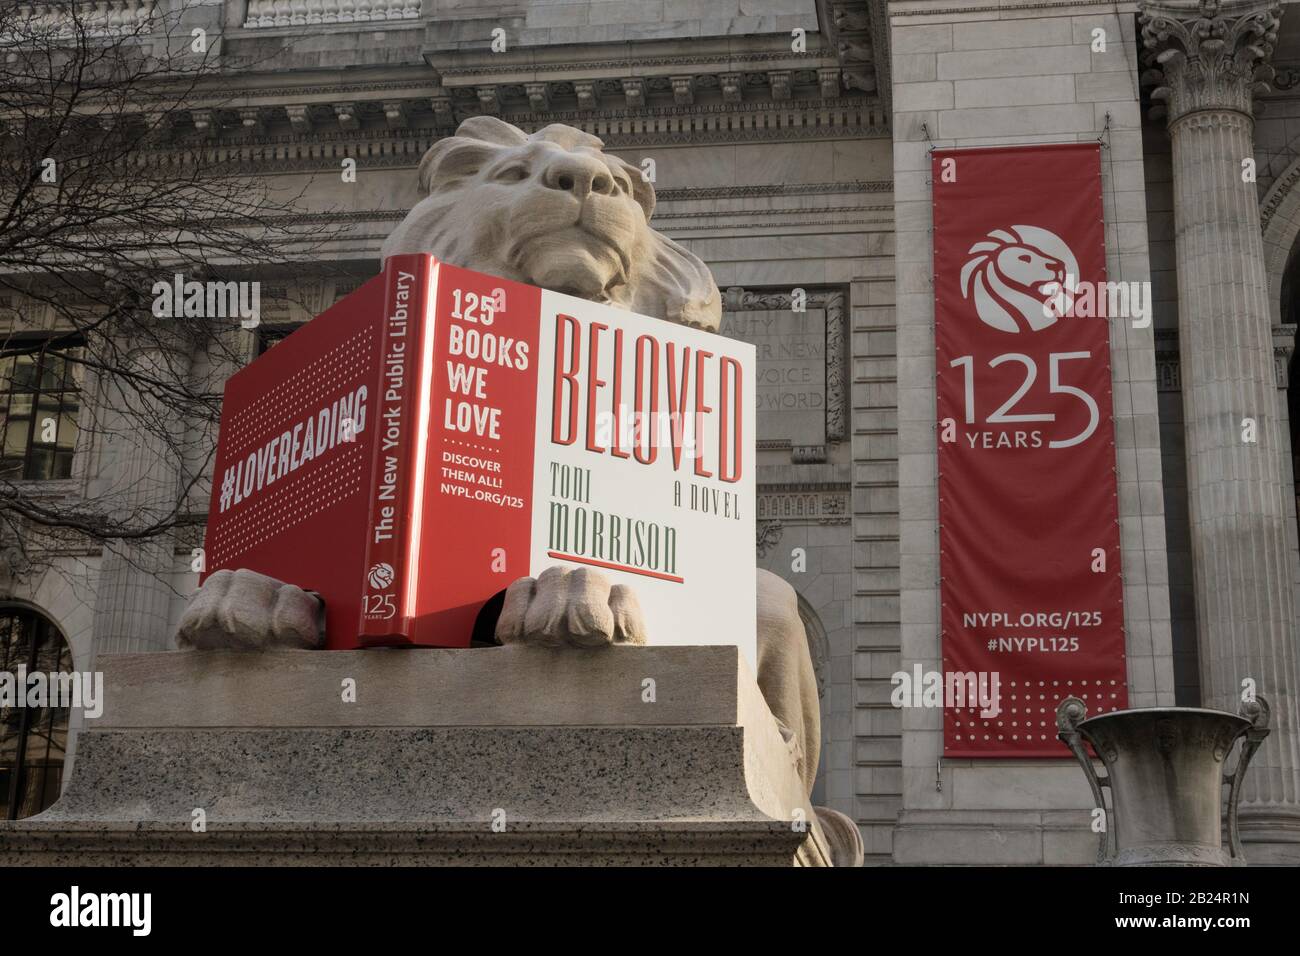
x: 554, y: 210
x: 1021, y: 276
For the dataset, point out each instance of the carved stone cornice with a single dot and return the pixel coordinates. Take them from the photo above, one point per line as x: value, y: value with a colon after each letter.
x: 771, y: 189
x: 742, y: 299
x: 858, y: 32
x: 497, y: 68
x: 1211, y: 55
x: 347, y: 116
x: 299, y: 138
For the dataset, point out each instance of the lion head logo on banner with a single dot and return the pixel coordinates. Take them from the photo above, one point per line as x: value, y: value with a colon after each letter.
x: 1021, y: 278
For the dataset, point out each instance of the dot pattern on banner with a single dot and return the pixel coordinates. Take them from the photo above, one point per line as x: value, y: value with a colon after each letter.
x: 470, y: 444
x: 1042, y: 720
x: 301, y: 392
x: 290, y: 504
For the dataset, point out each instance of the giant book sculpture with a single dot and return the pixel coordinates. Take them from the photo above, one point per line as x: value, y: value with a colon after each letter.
x: 439, y: 433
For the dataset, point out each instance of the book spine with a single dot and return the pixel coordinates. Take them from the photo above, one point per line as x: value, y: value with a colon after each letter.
x: 389, y: 598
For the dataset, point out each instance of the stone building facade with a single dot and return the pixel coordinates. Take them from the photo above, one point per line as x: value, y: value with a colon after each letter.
x: 790, y: 141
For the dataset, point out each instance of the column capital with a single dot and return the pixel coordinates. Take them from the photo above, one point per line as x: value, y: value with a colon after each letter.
x: 1209, y: 54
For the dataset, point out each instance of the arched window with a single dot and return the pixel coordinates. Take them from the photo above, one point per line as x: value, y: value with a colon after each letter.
x: 33, y: 740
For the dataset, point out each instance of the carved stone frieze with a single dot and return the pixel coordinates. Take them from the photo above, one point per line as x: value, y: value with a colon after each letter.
x: 819, y: 503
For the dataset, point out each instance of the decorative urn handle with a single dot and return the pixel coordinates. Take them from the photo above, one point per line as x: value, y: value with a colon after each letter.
x: 1257, y: 712
x: 1069, y: 714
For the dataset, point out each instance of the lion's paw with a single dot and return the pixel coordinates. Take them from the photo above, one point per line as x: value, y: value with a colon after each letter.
x: 245, y: 610
x: 567, y: 606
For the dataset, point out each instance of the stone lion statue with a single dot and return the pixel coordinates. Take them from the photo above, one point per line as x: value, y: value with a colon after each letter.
x: 554, y: 211
x: 551, y: 209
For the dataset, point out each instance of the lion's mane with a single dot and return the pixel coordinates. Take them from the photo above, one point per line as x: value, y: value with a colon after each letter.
x: 471, y: 221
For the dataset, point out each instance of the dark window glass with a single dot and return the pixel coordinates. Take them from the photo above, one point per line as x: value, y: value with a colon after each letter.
x: 269, y: 336
x: 40, y: 398
x: 33, y: 740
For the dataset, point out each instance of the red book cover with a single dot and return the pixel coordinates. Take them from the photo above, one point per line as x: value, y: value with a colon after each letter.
x: 466, y: 431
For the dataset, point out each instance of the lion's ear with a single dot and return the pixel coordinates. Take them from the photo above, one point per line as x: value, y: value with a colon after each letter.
x: 678, y: 286
x: 489, y: 129
x: 459, y: 157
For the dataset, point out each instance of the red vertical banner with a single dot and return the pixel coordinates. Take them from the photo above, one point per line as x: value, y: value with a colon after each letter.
x: 1029, y: 544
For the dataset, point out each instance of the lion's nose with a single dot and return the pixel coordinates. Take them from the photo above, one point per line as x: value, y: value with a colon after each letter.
x: 578, y: 175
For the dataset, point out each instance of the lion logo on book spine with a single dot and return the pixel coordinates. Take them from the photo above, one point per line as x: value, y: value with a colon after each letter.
x: 381, y: 576
x: 1021, y: 278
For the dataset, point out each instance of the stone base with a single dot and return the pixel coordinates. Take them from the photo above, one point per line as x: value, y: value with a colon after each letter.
x: 663, y: 843
x: 505, y: 755
x: 995, y: 838
x: 1270, y: 836
x: 1062, y: 838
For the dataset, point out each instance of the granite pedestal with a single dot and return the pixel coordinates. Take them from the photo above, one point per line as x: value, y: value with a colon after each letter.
x: 511, y: 755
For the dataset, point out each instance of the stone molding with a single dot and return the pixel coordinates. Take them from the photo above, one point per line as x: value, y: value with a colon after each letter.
x: 925, y: 10
x: 814, y: 503
x: 1279, y: 216
x: 1279, y: 193
x: 269, y: 13
x: 634, y: 93
x: 579, y: 61
x: 777, y: 189
x: 833, y: 301
x: 304, y: 137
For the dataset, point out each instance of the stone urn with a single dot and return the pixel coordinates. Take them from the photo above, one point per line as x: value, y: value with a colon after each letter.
x: 1165, y: 769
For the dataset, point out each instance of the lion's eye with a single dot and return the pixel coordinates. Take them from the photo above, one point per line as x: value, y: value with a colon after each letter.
x: 511, y: 174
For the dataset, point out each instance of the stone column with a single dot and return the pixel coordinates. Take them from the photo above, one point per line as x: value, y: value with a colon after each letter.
x: 1212, y: 57
x: 141, y: 479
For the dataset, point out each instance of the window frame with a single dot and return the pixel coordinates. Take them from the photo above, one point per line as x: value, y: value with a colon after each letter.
x: 48, y: 344
x: 38, y: 631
